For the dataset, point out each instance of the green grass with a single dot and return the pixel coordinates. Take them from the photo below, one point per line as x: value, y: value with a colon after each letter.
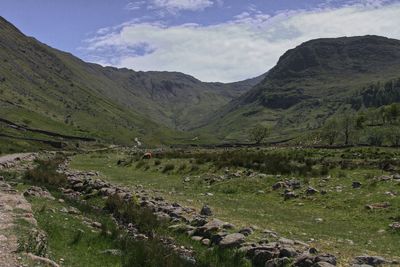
x: 70, y: 239
x: 347, y: 229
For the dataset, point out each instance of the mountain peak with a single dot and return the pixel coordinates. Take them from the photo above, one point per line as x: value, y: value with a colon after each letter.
x: 355, y: 54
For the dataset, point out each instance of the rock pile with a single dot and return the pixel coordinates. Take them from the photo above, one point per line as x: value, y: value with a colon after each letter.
x: 205, y: 229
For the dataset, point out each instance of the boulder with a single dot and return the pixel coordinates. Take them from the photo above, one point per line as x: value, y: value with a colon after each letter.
x: 289, y: 195
x: 288, y: 252
x: 329, y: 258
x: 261, y: 257
x: 370, y: 260
x: 311, y: 191
x: 206, y: 211
x: 232, y: 240
x: 246, y: 231
x: 356, y: 184
x: 395, y: 226
x: 280, y: 262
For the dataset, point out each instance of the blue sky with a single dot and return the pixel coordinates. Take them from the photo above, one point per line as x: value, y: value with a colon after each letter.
x: 213, y: 40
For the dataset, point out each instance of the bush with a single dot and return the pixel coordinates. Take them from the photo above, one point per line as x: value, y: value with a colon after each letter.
x: 140, y: 164
x: 168, y: 167
x: 157, y: 162
x: 46, y: 173
x: 375, y: 137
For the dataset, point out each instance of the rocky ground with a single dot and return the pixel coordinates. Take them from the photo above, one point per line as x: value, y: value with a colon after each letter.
x: 203, y: 227
x: 12, y: 207
x: 199, y: 225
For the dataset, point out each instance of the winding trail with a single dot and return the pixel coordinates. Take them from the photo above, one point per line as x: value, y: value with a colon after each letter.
x: 12, y: 206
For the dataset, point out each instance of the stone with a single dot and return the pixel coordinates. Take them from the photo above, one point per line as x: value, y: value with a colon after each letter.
x: 212, y: 226
x: 112, y: 252
x: 198, y: 221
x: 286, y: 241
x: 311, y: 191
x: 304, y: 260
x: 261, y: 257
x: 356, y: 184
x: 374, y: 206
x: 232, y: 240
x: 289, y: 195
x: 206, y: 242
x: 329, y: 258
x: 288, y: 252
x: 74, y: 211
x: 323, y: 264
x: 278, y: 185
x: 206, y: 211
x: 216, y: 238
x: 96, y: 224
x: 197, y: 238
x: 280, y: 262
x: 395, y: 226
x: 246, y: 231
x: 370, y: 260
x: 396, y: 176
x: 36, y: 191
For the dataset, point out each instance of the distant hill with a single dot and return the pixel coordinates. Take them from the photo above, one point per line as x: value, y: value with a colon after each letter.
x: 310, y: 83
x: 44, y: 88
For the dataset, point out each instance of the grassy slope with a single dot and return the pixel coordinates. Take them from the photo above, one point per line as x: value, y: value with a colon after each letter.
x: 325, y: 72
x: 348, y: 229
x: 55, y: 91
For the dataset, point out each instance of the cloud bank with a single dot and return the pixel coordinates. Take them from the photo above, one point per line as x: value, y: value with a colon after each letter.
x: 248, y: 45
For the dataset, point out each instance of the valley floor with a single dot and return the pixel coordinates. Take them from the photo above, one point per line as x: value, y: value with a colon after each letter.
x: 345, y: 211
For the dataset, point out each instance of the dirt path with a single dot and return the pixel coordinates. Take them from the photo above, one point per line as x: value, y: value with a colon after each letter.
x: 12, y: 206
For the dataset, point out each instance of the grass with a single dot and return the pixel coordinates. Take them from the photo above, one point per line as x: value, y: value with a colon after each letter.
x: 71, y: 242
x: 347, y: 228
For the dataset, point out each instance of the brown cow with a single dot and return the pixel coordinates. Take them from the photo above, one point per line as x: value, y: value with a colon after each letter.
x: 147, y: 155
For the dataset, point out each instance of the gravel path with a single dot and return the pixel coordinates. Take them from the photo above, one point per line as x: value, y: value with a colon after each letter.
x: 12, y: 205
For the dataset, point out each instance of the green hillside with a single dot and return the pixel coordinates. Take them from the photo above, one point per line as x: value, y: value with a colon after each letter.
x: 309, y: 84
x: 43, y: 88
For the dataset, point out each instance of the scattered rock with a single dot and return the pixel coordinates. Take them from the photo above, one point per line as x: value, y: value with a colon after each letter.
x: 206, y: 211
x: 395, y: 226
x: 206, y: 242
x: 96, y: 225
x: 36, y: 191
x: 232, y: 240
x: 246, y: 231
x: 112, y: 252
x: 370, y: 260
x: 289, y: 195
x: 374, y: 206
x: 356, y: 184
x: 311, y: 191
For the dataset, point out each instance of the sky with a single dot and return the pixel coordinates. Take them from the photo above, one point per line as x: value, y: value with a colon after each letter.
x: 212, y: 40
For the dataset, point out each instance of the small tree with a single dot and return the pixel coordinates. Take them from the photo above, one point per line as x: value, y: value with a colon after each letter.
x: 348, y: 125
x: 375, y: 137
x: 394, y: 136
x: 258, y: 133
x: 330, y: 131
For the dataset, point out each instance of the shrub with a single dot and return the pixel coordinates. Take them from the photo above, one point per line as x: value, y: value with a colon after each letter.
x: 140, y: 164
x: 182, y: 167
x: 157, y: 162
x: 168, y: 167
x: 375, y: 137
x: 46, y: 173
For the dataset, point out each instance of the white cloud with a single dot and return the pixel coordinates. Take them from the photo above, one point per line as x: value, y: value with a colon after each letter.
x: 178, y: 5
x: 245, y: 47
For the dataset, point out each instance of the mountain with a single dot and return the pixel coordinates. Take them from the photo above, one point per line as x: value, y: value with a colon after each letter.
x: 309, y: 84
x: 42, y: 88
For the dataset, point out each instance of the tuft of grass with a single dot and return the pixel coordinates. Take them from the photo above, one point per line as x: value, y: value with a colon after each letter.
x: 168, y: 167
